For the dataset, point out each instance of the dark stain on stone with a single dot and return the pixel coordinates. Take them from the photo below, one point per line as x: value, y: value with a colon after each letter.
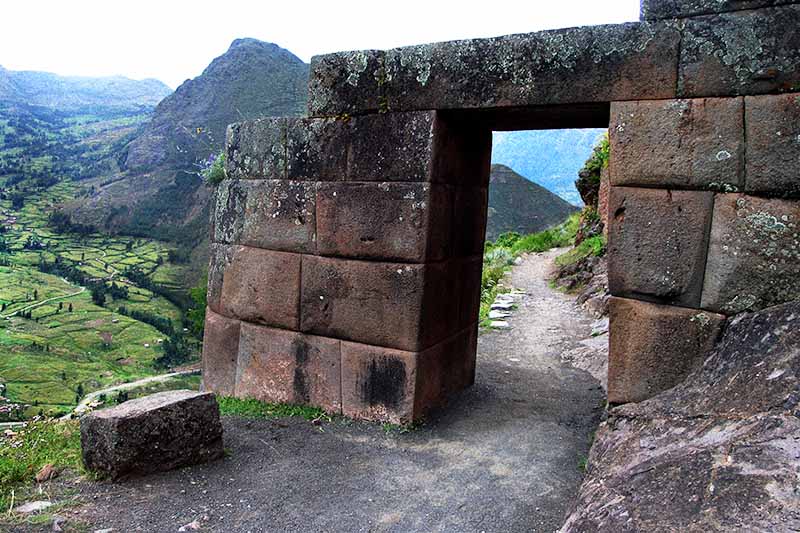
x: 383, y: 382
x: 301, y: 350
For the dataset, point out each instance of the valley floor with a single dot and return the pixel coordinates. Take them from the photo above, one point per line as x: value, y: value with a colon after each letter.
x: 504, y: 456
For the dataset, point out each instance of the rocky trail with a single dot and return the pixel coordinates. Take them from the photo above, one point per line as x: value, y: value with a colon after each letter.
x: 504, y: 456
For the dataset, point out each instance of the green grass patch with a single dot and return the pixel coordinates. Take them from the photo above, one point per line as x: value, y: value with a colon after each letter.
x: 593, y: 246
x: 249, y: 408
x: 32, y: 447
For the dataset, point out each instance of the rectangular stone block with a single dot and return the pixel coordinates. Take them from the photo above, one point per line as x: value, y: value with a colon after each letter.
x: 379, y: 383
x: 773, y: 144
x: 657, y: 242
x: 399, y: 386
x: 220, y: 352
x: 463, y: 151
x: 397, y: 305
x: 469, y: 289
x: 346, y: 83
x: 753, y: 254
x: 666, y: 9
x: 392, y: 147
x: 743, y: 52
x: 590, y: 64
x: 271, y: 214
x: 262, y: 286
x: 387, y: 221
x: 316, y: 148
x: 282, y: 366
x: 155, y: 433
x: 654, y: 347
x: 685, y: 144
x: 220, y: 256
x: 256, y: 149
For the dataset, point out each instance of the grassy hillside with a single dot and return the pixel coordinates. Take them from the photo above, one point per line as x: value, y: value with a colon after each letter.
x: 58, y: 340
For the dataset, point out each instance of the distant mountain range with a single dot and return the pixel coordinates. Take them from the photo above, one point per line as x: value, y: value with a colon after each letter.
x: 551, y: 158
x: 72, y: 92
x: 518, y: 204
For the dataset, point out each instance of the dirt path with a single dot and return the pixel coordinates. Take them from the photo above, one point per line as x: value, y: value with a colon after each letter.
x: 504, y: 456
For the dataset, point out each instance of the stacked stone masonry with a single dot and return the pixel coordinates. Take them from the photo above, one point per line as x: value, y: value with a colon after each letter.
x: 347, y: 246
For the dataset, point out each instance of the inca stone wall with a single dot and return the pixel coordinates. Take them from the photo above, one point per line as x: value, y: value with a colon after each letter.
x: 345, y: 269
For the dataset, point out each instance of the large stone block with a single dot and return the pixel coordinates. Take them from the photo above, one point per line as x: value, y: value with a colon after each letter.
x: 282, y: 366
x: 653, y: 347
x: 397, y: 305
x: 469, y: 289
x: 745, y: 52
x: 220, y: 256
x: 753, y: 254
x: 220, y: 352
x: 316, y: 148
x: 591, y: 64
x: 392, y: 147
x: 256, y: 149
x: 463, y: 151
x: 346, y: 82
x: 666, y: 9
x: 400, y: 386
x: 773, y: 144
x: 685, y: 144
x: 262, y: 286
x: 387, y: 221
x: 657, y: 243
x: 151, y: 434
x: 272, y: 214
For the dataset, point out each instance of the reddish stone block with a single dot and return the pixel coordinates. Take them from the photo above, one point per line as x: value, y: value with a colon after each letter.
x: 262, y: 286
x: 657, y: 242
x: 753, y: 254
x: 773, y: 144
x: 463, y: 151
x: 256, y: 149
x: 686, y: 144
x: 346, y: 82
x: 654, y: 347
x: 379, y: 383
x: 220, y: 257
x: 316, y: 148
x: 388, y: 221
x: 469, y: 289
x: 220, y: 351
x: 282, y: 366
x: 744, y: 52
x: 399, y: 386
x: 398, y: 305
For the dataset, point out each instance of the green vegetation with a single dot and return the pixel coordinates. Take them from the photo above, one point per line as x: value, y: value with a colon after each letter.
x: 214, y: 173
x: 593, y: 246
x: 25, y: 451
x: 249, y: 408
x: 71, y: 320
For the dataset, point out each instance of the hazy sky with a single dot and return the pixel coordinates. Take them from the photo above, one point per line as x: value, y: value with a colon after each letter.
x: 175, y: 40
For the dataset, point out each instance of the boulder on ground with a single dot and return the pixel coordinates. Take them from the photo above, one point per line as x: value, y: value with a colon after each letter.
x: 155, y: 433
x: 718, y: 452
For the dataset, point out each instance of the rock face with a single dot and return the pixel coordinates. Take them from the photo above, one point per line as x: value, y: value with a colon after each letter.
x: 151, y: 434
x: 719, y: 452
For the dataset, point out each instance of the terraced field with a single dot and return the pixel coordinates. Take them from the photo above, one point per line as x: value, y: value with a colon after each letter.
x: 69, y: 345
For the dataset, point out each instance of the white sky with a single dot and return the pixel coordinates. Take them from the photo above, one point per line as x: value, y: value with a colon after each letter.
x: 173, y: 40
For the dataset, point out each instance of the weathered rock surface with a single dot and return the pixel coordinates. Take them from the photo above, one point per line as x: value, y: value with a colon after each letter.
x: 664, y: 9
x: 719, y: 452
x: 753, y: 254
x: 657, y: 242
x: 155, y: 433
x: 745, y: 52
x: 685, y: 144
x: 773, y: 144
